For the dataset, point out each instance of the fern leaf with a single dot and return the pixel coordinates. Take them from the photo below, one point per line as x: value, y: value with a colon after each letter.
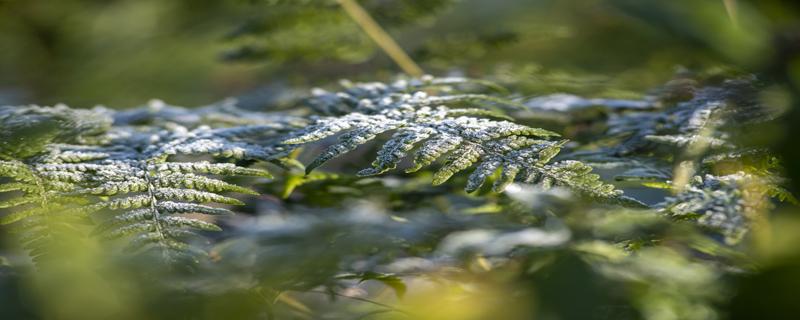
x: 41, y: 211
x: 433, y: 149
x: 394, y: 150
x: 724, y: 204
x: 458, y: 161
x: 466, y: 137
x: 224, y: 169
x: 150, y: 197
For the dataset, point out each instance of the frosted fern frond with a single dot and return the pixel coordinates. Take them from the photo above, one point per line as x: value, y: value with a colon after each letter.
x: 158, y: 202
x: 439, y: 133
x: 463, y: 136
x: 36, y: 171
x: 649, y: 145
x: 577, y: 176
x: 700, y: 119
x: 27, y: 130
x: 223, y: 114
x: 237, y: 142
x: 371, y: 96
x: 237, y: 133
x: 147, y: 182
x: 725, y: 204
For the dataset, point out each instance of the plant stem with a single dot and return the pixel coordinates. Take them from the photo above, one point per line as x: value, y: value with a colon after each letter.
x: 731, y: 9
x: 381, y: 38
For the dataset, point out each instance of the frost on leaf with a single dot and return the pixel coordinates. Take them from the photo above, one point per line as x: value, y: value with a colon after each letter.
x: 149, y: 194
x: 455, y: 128
x: 727, y: 204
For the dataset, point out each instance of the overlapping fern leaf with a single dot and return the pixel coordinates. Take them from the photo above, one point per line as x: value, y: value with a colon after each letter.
x: 35, y: 197
x: 158, y: 175
x: 443, y: 126
x: 152, y: 182
x: 727, y: 205
x: 691, y: 147
x: 701, y: 128
x: 699, y: 120
x: 159, y: 187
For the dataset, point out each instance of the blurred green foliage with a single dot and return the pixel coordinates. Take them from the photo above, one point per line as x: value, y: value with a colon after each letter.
x: 121, y: 52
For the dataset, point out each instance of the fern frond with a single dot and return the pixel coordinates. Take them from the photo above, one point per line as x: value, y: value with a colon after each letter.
x: 725, y: 204
x: 415, y: 122
x: 41, y: 211
x: 158, y: 202
x: 26, y: 131
x: 463, y: 136
x: 712, y: 108
x: 224, y: 169
x: 133, y: 175
x: 223, y: 114
x: 372, y: 96
x: 36, y: 174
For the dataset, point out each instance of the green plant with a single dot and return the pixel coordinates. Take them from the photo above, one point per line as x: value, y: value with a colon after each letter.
x: 150, y: 176
x: 162, y: 177
x: 565, y: 192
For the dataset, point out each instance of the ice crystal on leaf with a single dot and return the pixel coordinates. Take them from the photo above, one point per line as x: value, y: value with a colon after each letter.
x: 455, y: 127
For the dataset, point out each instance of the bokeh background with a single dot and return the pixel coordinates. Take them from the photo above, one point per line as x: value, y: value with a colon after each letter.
x: 121, y: 53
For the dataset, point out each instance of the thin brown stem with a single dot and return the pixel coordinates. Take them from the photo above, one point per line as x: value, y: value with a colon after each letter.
x: 381, y: 38
x: 732, y: 9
